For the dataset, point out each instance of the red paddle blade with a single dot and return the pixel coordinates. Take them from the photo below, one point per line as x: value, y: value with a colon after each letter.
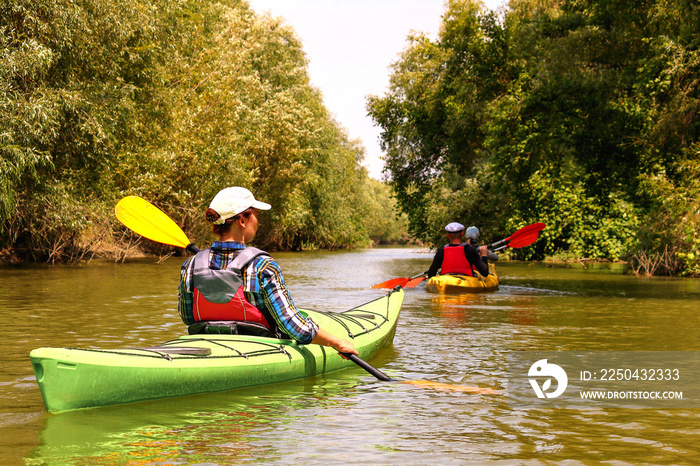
x: 393, y: 283
x: 533, y: 227
x: 526, y: 236
x: 523, y: 231
x: 523, y: 241
x: 414, y: 282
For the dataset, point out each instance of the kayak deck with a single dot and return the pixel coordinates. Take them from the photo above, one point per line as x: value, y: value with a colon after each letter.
x: 450, y: 284
x: 71, y: 378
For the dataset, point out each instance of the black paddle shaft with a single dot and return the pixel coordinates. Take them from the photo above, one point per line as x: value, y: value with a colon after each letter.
x: 369, y: 368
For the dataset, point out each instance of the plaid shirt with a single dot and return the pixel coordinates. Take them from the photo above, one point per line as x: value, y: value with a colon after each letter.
x: 263, y: 286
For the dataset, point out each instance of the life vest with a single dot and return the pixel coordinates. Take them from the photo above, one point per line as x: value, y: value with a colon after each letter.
x: 218, y: 294
x: 454, y: 261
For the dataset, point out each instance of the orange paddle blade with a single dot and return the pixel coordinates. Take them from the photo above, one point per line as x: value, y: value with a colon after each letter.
x: 413, y: 283
x: 393, y: 283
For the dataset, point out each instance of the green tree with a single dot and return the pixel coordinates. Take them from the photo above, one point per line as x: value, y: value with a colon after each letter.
x: 172, y: 101
x: 579, y: 113
x: 433, y: 114
x: 66, y: 97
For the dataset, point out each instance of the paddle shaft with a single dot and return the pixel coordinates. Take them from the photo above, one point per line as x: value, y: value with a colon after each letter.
x: 369, y: 368
x: 498, y: 243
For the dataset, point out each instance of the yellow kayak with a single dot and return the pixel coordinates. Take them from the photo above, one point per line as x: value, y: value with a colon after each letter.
x: 463, y: 283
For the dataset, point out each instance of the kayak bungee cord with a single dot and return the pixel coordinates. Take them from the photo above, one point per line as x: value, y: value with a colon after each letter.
x: 359, y: 308
x: 213, y: 339
x: 155, y: 353
x: 353, y: 318
x: 278, y: 349
x: 355, y: 321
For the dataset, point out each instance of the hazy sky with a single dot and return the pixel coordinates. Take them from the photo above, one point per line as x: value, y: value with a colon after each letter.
x: 350, y: 45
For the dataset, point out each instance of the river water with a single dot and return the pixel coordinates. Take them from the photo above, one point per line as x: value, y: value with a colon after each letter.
x: 348, y: 416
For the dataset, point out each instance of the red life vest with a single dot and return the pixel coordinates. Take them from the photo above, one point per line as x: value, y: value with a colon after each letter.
x: 455, y: 262
x: 218, y: 294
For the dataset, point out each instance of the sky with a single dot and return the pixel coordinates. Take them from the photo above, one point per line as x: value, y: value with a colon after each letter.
x: 350, y: 45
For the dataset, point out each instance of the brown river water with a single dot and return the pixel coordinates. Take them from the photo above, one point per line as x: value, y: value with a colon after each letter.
x: 349, y: 416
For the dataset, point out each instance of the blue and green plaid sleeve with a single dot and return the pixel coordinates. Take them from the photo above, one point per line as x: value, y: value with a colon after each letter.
x: 269, y: 289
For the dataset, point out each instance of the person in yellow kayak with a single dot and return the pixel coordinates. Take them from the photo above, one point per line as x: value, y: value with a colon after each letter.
x: 235, y: 289
x: 459, y: 257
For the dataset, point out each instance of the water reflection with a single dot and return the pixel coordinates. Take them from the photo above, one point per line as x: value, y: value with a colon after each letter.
x: 271, y: 422
x: 460, y: 310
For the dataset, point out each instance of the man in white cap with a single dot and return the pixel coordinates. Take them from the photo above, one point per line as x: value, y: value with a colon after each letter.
x: 457, y: 257
x: 232, y: 288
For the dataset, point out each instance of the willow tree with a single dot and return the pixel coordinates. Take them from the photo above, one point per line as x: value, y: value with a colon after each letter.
x: 68, y: 74
x: 248, y: 115
x: 172, y: 101
x: 669, y: 90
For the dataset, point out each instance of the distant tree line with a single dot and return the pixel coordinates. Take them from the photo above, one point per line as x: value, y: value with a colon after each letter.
x: 583, y: 114
x: 172, y: 101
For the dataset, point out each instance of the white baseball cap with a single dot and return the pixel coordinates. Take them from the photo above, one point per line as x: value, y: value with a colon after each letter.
x: 454, y: 227
x: 230, y: 202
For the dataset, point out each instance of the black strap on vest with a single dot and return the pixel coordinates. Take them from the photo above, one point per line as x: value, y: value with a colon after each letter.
x: 229, y: 327
x: 237, y: 264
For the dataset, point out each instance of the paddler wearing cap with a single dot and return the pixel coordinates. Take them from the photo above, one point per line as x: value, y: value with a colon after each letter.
x: 235, y: 289
x: 459, y: 257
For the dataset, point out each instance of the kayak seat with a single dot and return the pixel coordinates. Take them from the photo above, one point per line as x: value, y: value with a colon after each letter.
x: 229, y: 327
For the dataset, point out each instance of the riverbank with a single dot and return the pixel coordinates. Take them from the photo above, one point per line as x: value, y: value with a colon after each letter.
x: 641, y: 264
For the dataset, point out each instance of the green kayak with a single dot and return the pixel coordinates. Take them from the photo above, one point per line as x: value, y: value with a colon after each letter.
x: 71, y: 378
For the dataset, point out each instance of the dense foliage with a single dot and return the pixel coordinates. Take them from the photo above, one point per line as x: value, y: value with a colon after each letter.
x: 171, y: 101
x: 582, y: 114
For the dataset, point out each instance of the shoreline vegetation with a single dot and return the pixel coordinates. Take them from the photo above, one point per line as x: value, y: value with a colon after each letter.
x: 580, y: 114
x: 171, y: 101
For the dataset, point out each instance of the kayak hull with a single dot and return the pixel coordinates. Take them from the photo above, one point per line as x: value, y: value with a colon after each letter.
x: 454, y: 284
x: 84, y: 378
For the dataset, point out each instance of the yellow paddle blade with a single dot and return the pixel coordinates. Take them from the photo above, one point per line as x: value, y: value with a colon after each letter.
x: 142, y: 217
x: 452, y: 388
